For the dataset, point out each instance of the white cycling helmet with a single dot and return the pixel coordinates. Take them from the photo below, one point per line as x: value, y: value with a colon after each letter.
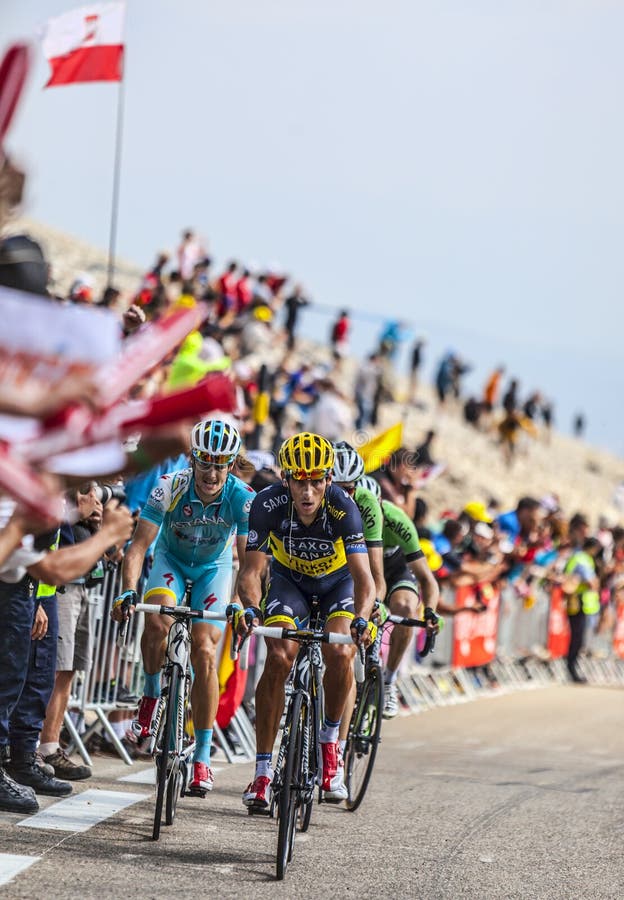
x: 348, y: 464
x: 371, y: 484
x: 215, y: 438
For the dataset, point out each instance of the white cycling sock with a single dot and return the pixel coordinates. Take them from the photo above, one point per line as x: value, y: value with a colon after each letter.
x: 329, y: 731
x: 49, y: 748
x: 264, y: 767
x: 390, y: 677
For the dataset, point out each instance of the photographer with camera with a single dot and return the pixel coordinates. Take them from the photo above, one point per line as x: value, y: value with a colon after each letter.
x: 28, y: 642
x: 75, y: 627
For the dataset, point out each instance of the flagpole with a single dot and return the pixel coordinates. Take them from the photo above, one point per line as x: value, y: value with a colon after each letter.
x: 116, y: 181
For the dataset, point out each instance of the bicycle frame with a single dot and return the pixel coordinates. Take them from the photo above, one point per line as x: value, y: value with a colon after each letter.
x: 167, y: 742
x: 299, y: 762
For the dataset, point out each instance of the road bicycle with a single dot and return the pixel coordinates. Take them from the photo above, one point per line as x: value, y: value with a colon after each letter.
x: 170, y: 742
x: 365, y: 725
x: 299, y: 764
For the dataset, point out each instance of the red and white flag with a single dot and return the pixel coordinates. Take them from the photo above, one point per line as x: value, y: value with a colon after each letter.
x: 85, y: 44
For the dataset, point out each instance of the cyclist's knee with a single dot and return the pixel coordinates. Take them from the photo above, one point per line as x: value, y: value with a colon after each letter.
x: 156, y: 627
x: 204, y: 655
x: 339, y: 655
x: 404, y: 603
x: 278, y: 662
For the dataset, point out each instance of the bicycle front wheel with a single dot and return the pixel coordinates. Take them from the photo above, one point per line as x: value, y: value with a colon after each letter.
x: 179, y: 770
x: 163, y: 775
x: 289, y: 787
x: 364, y: 734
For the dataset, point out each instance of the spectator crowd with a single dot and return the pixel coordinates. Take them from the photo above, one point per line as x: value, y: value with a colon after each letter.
x: 249, y: 332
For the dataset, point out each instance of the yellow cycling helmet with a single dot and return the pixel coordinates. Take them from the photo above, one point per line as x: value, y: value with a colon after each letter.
x: 306, y: 455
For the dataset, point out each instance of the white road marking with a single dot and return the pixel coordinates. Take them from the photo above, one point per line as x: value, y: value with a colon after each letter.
x: 81, y: 812
x: 148, y: 776
x: 10, y: 866
x: 144, y: 776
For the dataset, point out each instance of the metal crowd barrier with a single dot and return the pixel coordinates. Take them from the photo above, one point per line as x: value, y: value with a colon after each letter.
x: 95, y: 694
x: 521, y: 660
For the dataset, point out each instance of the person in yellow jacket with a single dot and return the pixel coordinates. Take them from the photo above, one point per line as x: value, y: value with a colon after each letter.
x: 194, y: 360
x: 581, y: 589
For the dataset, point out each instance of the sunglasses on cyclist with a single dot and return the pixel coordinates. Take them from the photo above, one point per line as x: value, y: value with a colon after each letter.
x: 303, y: 475
x: 207, y: 460
x: 348, y: 487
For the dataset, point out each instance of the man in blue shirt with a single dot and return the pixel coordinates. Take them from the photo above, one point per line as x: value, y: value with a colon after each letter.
x: 198, y: 512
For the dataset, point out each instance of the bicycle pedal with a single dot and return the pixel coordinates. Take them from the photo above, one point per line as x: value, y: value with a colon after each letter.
x: 197, y: 792
x: 259, y: 811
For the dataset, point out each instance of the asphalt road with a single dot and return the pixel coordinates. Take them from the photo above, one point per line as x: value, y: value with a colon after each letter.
x: 516, y: 796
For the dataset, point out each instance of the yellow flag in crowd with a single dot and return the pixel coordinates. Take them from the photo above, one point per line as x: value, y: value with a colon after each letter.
x: 377, y: 451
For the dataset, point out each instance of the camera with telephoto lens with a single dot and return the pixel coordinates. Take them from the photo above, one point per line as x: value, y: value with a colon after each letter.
x: 107, y: 492
x: 104, y: 492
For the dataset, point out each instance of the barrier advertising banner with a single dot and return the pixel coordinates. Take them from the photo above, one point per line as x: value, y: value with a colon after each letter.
x: 558, y: 639
x: 618, y: 636
x: 474, y: 633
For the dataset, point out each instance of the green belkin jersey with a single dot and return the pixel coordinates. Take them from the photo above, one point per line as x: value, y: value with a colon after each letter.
x: 400, y: 532
x: 372, y: 516
x: 387, y: 525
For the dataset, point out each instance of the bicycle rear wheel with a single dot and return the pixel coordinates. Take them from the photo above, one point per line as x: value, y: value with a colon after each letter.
x: 162, y: 753
x: 289, y: 788
x: 364, y: 734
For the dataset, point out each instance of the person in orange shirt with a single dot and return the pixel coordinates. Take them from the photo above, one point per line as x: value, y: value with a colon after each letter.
x: 492, y: 387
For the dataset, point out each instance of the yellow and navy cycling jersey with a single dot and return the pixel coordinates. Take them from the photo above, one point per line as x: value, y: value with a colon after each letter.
x: 316, y: 551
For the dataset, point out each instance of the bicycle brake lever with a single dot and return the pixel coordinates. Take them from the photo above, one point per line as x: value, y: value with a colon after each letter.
x: 122, y: 634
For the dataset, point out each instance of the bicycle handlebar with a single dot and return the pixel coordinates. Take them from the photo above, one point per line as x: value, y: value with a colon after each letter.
x: 183, y: 611
x: 415, y: 623
x: 289, y: 634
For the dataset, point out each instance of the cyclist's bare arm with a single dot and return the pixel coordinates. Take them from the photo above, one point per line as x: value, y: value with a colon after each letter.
x: 375, y: 557
x: 241, y: 546
x: 250, y: 578
x: 429, y: 590
x: 135, y: 554
x: 363, y: 584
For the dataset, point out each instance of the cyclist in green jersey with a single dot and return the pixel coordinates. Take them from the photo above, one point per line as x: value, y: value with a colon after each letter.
x: 398, y: 565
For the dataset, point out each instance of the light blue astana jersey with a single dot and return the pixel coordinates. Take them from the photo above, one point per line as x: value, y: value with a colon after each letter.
x: 192, y: 533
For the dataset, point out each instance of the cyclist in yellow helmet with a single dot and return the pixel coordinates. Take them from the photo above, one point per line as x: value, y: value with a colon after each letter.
x: 313, y: 533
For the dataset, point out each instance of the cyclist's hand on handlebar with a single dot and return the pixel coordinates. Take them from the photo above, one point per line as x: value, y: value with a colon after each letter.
x: 363, y: 633
x: 433, y: 621
x: 243, y: 620
x: 123, y: 606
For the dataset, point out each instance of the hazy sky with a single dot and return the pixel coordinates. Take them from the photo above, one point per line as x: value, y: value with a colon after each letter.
x: 453, y: 162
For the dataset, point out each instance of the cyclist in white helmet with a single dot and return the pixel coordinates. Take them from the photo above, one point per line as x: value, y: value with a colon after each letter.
x: 198, y: 512
x: 398, y: 565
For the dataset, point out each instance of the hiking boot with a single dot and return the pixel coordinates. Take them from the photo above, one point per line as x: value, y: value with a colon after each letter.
x: 24, y: 769
x: 333, y: 785
x: 258, y: 793
x: 48, y: 769
x: 63, y: 767
x: 16, y: 797
x: 391, y: 701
